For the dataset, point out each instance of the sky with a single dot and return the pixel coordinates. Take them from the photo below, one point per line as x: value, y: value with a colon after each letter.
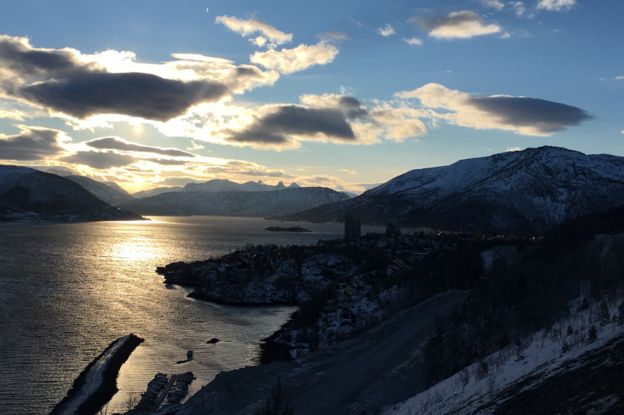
x: 340, y: 94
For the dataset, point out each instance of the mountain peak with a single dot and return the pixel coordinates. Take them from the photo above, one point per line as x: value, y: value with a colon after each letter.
x: 529, y: 190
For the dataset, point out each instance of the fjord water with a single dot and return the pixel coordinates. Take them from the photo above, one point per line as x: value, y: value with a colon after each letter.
x: 68, y: 290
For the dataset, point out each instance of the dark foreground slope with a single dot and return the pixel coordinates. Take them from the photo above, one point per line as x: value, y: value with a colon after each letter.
x: 540, y: 333
x: 526, y: 191
x: 360, y: 376
x: 31, y: 195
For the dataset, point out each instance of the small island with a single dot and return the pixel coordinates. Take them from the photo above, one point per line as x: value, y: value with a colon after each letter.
x: 286, y: 229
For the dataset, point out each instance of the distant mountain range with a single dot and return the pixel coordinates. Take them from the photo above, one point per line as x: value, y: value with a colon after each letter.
x: 156, y: 191
x: 260, y: 203
x: 215, y: 185
x: 220, y: 185
x: 31, y: 195
x: 529, y: 190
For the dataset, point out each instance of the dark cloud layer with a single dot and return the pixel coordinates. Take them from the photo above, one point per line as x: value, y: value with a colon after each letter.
x: 30, y: 144
x: 136, y: 94
x: 113, y: 143
x: 55, y: 79
x: 275, y: 127
x: 546, y: 116
x: 24, y: 60
x: 100, y: 159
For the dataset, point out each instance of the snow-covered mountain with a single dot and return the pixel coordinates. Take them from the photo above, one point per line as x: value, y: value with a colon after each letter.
x: 28, y: 194
x: 215, y: 185
x: 528, y: 190
x: 236, y: 203
x: 156, y: 191
x: 221, y: 185
x: 109, y: 192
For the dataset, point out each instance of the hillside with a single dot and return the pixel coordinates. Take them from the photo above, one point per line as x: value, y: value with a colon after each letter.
x: 110, y: 193
x: 530, y: 190
x: 533, y: 329
x: 31, y: 195
x: 239, y: 203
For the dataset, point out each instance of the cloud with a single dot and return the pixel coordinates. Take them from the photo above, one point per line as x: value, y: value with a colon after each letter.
x: 116, y: 143
x: 519, y: 8
x: 463, y: 24
x: 329, y: 117
x: 292, y: 120
x: 513, y: 149
x: 32, y: 143
x: 268, y: 35
x: 333, y: 36
x: 522, y: 115
x: 21, y: 59
x: 494, y: 4
x: 399, y: 124
x: 100, y: 159
x: 296, y: 59
x: 195, y: 146
x: 386, y: 31
x: 136, y: 94
x: 555, y: 5
x: 413, y: 41
x: 112, y: 82
x: 619, y: 78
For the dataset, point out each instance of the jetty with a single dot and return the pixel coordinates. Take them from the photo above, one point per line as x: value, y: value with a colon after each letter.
x: 97, y: 383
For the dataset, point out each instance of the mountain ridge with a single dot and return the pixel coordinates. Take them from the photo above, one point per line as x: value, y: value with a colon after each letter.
x: 530, y: 190
x: 31, y: 195
x: 236, y: 203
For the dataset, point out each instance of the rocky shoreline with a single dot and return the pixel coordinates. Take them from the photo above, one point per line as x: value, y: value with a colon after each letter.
x: 341, y: 287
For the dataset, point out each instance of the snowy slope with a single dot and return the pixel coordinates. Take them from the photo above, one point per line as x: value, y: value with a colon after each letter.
x: 517, y: 369
x: 111, y: 193
x: 531, y: 190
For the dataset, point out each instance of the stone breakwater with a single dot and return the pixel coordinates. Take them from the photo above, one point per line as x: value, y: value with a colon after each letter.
x: 97, y: 383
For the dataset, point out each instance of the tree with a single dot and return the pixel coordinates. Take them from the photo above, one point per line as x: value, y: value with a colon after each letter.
x: 132, y: 400
x: 277, y: 403
x: 603, y: 313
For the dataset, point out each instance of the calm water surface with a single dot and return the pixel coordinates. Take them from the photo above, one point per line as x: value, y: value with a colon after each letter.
x: 68, y: 290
